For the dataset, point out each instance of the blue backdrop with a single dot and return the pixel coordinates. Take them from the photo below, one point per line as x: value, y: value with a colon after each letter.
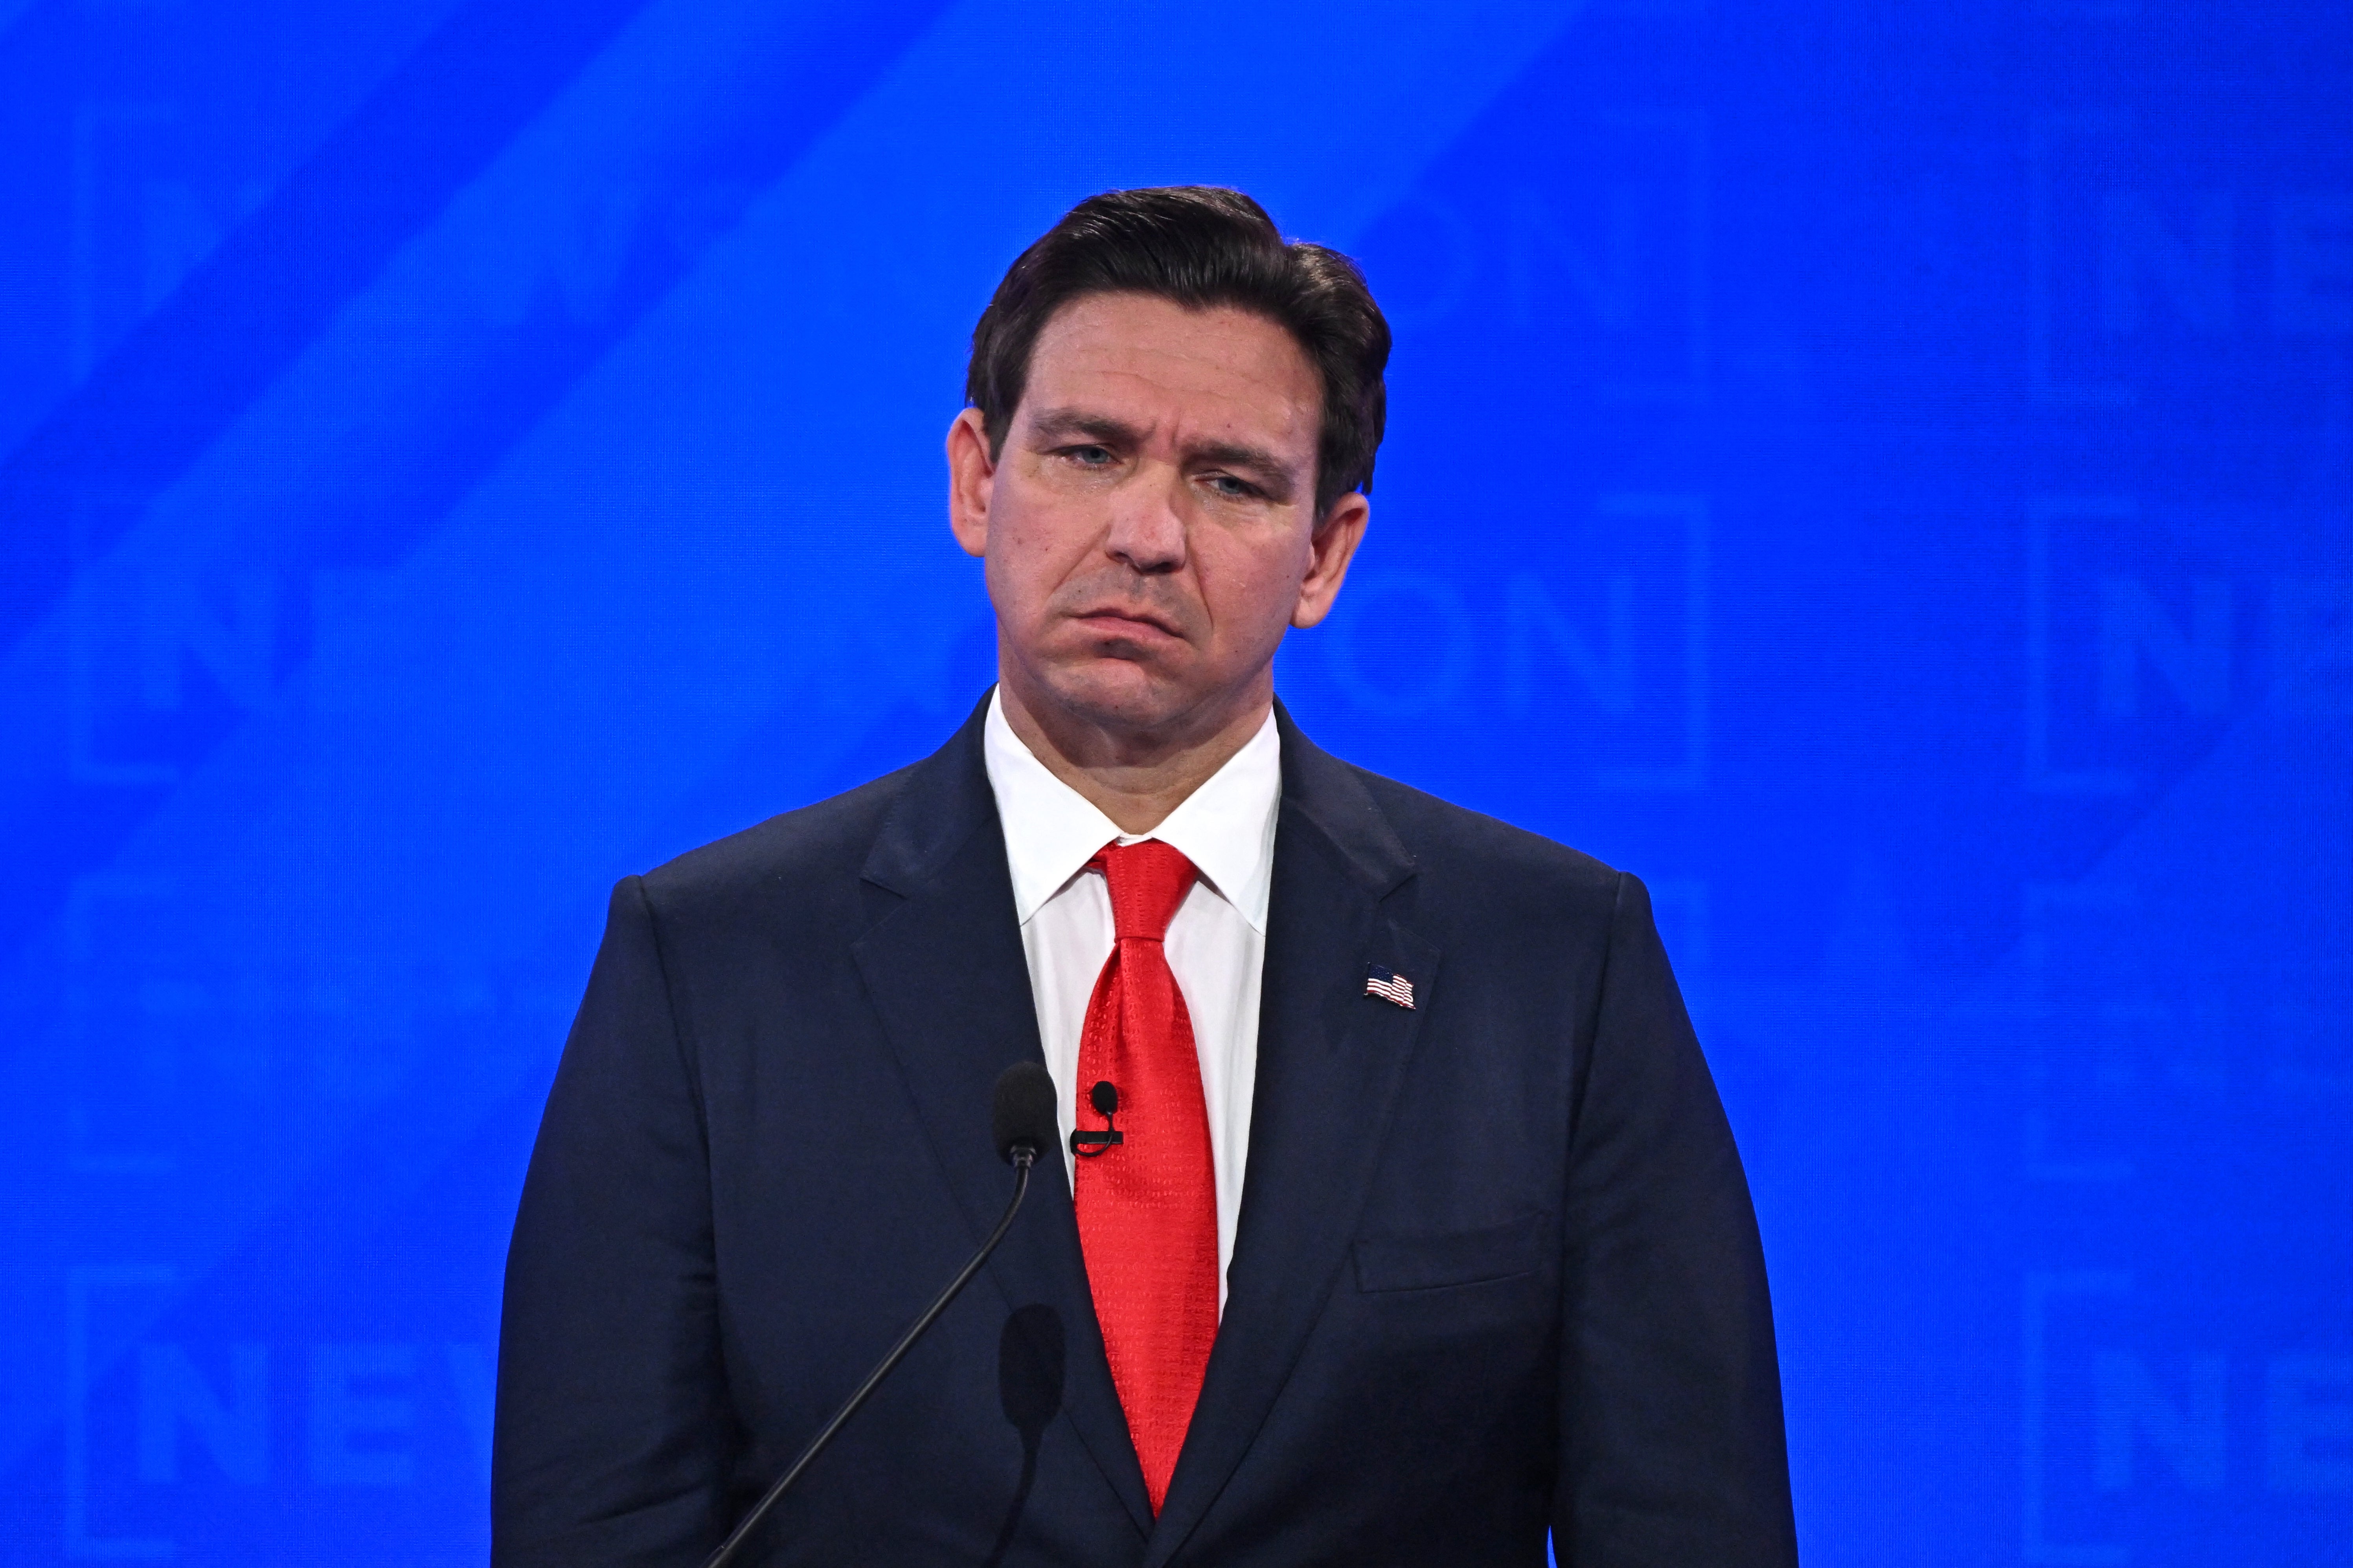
x: 1882, y: 473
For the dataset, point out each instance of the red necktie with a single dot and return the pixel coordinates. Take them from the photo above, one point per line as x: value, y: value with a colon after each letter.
x: 1148, y: 1204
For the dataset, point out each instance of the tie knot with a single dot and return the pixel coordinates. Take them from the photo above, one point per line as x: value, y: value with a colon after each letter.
x: 1148, y: 879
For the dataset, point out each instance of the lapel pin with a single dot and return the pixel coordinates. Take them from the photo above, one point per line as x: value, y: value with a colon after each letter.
x: 1389, y: 986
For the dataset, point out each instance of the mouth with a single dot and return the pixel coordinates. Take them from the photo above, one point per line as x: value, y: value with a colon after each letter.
x: 1119, y: 621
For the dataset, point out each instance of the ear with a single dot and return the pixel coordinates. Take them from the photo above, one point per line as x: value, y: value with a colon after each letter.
x: 1329, y: 550
x: 972, y: 476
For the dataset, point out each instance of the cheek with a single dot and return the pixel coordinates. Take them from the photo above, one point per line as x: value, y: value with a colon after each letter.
x: 1030, y: 552
x: 1252, y: 583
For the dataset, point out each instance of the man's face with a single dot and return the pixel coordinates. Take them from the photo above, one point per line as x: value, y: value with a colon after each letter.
x: 1149, y: 524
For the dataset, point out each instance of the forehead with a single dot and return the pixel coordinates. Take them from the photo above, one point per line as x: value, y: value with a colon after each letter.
x: 1161, y: 364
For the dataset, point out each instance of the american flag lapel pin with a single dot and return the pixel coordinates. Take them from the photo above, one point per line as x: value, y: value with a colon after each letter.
x: 1389, y: 986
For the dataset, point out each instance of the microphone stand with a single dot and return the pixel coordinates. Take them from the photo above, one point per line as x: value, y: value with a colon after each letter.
x: 1023, y: 1155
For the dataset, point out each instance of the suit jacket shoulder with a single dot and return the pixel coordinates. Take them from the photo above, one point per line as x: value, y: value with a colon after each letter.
x: 1482, y: 886
x: 795, y: 850
x: 1457, y: 845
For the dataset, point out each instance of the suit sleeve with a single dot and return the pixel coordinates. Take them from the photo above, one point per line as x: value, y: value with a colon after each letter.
x: 614, y: 1436
x: 1672, y: 1450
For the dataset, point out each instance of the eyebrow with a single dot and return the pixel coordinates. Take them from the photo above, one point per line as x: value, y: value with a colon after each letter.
x: 1054, y: 423
x: 1058, y: 423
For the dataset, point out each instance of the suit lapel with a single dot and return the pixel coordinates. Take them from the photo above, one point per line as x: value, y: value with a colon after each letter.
x: 946, y: 973
x: 1330, y: 1059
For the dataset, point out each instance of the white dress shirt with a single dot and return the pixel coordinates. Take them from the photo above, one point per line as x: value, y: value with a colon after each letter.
x: 1215, y: 944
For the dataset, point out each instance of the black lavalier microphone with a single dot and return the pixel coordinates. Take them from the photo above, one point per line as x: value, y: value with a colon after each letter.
x: 1022, y: 1120
x: 1105, y: 1098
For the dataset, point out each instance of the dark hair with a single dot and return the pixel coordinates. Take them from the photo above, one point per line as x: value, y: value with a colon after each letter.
x: 1200, y: 246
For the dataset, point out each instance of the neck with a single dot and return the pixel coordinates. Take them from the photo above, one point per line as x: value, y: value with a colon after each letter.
x: 1134, y: 778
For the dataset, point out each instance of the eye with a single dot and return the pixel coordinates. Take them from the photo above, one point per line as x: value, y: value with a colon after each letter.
x: 1088, y: 456
x: 1233, y: 488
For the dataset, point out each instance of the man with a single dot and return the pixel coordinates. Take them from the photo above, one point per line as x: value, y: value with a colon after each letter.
x: 1397, y: 1220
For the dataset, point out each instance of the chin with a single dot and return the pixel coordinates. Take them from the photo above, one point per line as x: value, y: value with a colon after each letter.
x: 1117, y: 694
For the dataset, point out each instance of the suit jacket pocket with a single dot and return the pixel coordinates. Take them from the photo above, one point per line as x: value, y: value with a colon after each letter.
x: 1430, y: 1262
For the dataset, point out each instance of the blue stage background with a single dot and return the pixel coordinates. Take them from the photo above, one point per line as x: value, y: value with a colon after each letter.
x: 1882, y: 473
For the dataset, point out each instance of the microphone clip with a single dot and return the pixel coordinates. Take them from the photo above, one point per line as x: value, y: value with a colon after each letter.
x: 1088, y: 1143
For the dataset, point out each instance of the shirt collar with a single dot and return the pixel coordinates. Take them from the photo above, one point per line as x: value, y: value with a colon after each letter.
x: 1226, y: 827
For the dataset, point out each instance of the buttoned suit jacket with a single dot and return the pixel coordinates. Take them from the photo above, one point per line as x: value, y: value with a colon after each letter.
x: 1496, y: 1272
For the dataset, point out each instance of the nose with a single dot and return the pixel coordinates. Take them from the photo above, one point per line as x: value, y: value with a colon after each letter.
x: 1147, y: 531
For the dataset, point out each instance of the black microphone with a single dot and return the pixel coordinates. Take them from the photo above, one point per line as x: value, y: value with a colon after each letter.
x: 1105, y: 1098
x: 1024, y: 1112
x: 1023, y: 1121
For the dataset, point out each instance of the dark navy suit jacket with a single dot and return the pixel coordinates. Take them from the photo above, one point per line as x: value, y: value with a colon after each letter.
x: 1496, y: 1270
